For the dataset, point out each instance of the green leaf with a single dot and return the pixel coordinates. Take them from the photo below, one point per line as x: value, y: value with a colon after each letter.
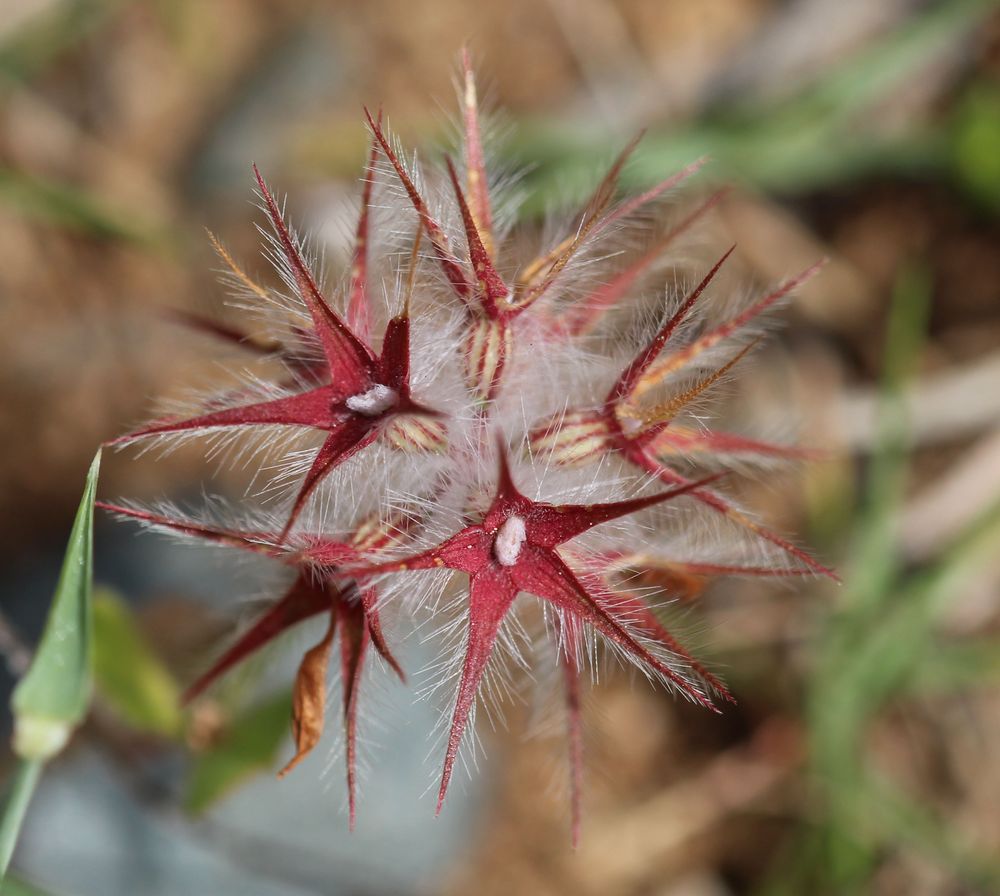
x: 249, y: 746
x: 54, y: 694
x: 74, y: 208
x: 22, y: 787
x: 875, y: 557
x: 808, y: 140
x: 45, y: 37
x: 958, y: 667
x: 127, y: 674
x: 976, y: 144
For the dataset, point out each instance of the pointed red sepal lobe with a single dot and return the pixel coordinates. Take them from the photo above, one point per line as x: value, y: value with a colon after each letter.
x: 439, y: 241
x: 369, y: 601
x: 629, y: 606
x: 546, y: 575
x: 550, y: 525
x: 354, y: 641
x: 491, y: 593
x: 303, y: 600
x: 394, y: 362
x: 712, y: 499
x: 359, y: 316
x: 298, y: 359
x: 355, y: 433
x: 222, y: 331
x: 465, y: 552
x: 654, y: 374
x: 667, y: 573
x: 688, y: 442
x: 626, y: 383
x: 476, y: 178
x: 637, y: 202
x: 492, y: 291
x: 604, y: 193
x: 312, y: 409
x: 586, y: 313
x: 507, y: 491
x: 350, y: 360
x: 258, y: 542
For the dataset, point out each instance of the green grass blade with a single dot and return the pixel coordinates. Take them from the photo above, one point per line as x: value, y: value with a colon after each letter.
x: 858, y: 654
x: 43, y: 40
x: 54, y: 694
x: 23, y: 786
x: 876, y: 561
x: 807, y: 141
x: 953, y: 668
x: 73, y: 208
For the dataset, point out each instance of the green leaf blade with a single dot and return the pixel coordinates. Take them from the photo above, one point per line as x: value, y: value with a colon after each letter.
x: 53, y: 696
x: 23, y: 786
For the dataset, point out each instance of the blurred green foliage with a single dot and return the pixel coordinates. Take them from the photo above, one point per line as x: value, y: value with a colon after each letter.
x: 249, y: 745
x: 129, y: 677
x: 27, y: 54
x: 826, y: 133
x: 73, y: 208
x: 40, y: 43
x: 880, y: 645
x: 976, y: 144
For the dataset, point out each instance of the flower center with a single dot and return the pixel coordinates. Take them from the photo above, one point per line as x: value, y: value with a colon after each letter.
x: 630, y: 424
x: 377, y: 400
x: 507, y: 544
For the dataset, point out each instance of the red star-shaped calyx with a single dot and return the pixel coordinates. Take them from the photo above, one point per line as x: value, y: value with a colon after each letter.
x: 513, y: 549
x: 646, y: 437
x: 319, y: 587
x: 362, y: 392
x: 493, y: 305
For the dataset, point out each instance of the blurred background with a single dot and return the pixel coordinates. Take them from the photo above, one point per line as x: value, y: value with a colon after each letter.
x: 862, y: 755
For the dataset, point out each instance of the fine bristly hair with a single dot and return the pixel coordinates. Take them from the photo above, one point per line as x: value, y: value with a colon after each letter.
x: 461, y: 436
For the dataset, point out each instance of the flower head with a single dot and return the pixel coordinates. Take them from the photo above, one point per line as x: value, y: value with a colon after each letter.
x: 521, y: 427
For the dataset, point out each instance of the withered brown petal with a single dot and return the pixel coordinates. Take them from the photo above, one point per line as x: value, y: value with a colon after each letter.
x: 309, y: 697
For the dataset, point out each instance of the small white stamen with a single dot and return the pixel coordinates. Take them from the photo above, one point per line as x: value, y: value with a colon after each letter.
x: 507, y: 544
x: 377, y: 400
